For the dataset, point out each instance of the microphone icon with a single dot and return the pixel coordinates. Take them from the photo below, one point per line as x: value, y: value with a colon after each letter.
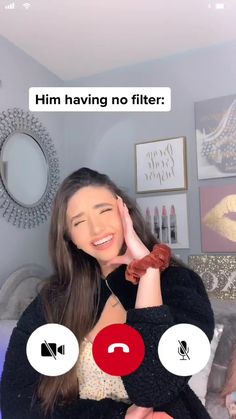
x: 183, y: 350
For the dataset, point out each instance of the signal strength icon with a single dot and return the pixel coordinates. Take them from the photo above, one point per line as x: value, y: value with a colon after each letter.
x: 26, y: 5
x: 10, y: 6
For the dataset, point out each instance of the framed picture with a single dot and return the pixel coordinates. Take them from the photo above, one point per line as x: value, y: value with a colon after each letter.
x: 167, y: 218
x: 161, y: 165
x: 218, y: 274
x: 215, y: 121
x: 218, y: 221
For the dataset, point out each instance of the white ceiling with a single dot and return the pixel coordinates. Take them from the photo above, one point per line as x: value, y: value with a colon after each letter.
x: 76, y: 38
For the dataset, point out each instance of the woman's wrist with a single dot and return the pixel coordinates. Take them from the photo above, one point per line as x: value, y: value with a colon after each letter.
x: 159, y: 259
x: 150, y: 273
x: 142, y: 255
x: 149, y: 290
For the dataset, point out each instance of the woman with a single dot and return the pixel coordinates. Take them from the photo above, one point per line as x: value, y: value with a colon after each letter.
x: 96, y: 231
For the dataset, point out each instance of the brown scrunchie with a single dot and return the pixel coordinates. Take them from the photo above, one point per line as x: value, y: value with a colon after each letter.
x: 158, y: 258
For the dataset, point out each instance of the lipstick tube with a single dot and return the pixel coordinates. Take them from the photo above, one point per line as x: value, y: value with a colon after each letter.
x: 173, y: 225
x: 164, y: 226
x: 148, y: 219
x: 156, y: 223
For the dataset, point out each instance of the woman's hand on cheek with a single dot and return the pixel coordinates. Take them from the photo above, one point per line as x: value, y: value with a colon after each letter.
x: 135, y: 247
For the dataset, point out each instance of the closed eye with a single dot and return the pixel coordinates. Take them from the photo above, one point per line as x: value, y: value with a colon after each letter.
x: 78, y: 222
x: 108, y: 209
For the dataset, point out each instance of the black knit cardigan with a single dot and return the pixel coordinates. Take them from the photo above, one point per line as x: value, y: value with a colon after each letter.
x: 151, y: 385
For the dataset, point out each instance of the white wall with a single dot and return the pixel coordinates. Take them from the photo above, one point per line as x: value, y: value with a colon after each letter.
x: 105, y: 141
x: 18, y: 72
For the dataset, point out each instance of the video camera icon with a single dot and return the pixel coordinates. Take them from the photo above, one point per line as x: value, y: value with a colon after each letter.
x: 46, y: 344
x: 50, y: 349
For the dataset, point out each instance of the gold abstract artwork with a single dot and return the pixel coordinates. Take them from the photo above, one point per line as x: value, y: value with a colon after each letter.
x: 218, y: 274
x: 217, y: 218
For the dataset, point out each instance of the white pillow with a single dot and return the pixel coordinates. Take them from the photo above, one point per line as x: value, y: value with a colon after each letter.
x: 198, y: 382
x: 6, y: 329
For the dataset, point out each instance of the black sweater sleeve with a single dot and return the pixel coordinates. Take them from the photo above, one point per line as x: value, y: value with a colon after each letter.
x: 19, y: 382
x: 184, y: 301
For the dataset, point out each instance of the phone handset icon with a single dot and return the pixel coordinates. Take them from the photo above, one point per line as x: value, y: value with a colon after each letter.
x: 111, y: 348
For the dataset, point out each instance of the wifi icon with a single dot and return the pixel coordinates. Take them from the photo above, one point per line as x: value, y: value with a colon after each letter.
x: 26, y: 5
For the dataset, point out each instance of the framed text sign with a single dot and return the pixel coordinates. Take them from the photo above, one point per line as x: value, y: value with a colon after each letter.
x: 161, y: 165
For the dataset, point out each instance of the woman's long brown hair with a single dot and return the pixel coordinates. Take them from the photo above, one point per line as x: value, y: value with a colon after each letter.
x: 71, y: 295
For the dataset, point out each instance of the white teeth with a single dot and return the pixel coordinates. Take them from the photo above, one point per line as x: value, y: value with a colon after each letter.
x: 106, y: 239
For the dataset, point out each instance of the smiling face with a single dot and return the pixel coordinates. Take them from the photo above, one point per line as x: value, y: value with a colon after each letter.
x: 95, y: 224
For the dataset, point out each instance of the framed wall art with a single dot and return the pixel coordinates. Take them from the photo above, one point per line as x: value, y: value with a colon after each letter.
x: 167, y: 218
x: 218, y: 218
x: 161, y: 165
x: 218, y: 274
x: 215, y: 121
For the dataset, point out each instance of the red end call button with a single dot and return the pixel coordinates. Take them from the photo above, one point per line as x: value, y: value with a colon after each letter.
x: 118, y: 349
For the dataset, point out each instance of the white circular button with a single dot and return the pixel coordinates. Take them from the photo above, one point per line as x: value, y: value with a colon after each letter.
x: 52, y: 349
x: 184, y: 349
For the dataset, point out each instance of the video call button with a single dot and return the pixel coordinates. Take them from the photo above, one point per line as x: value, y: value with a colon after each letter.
x: 184, y: 349
x: 52, y: 349
x: 118, y: 349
